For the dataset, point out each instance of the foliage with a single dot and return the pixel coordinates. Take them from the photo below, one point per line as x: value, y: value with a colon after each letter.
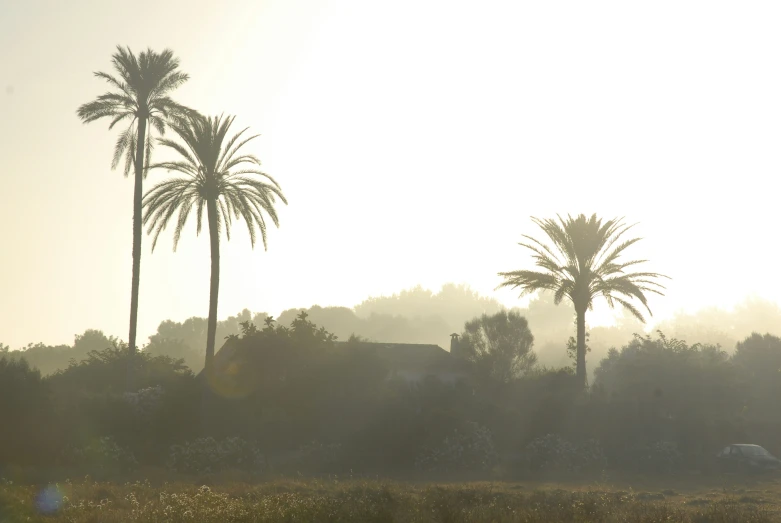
x: 25, y: 408
x: 758, y: 363
x: 660, y: 456
x: 101, y: 454
x: 48, y: 359
x: 316, y: 457
x: 91, y: 399
x: 212, y: 170
x: 106, y: 371
x: 141, y: 91
x: 471, y: 448
x: 208, y: 455
x: 500, y: 345
x: 145, y: 401
x: 666, y: 390
x: 572, y: 348
x: 553, y: 453
x: 287, y: 386
x: 290, y: 383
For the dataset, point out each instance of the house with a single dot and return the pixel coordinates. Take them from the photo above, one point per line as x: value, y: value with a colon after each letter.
x: 410, y: 362
x: 414, y: 362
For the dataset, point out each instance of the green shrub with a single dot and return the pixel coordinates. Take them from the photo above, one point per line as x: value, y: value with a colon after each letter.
x: 100, y: 455
x: 554, y: 453
x: 317, y: 457
x: 469, y: 449
x: 208, y: 455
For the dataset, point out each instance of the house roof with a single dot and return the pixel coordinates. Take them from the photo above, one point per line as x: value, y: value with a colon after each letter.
x: 399, y: 356
x: 413, y: 356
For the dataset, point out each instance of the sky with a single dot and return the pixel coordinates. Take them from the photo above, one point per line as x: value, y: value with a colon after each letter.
x: 413, y: 139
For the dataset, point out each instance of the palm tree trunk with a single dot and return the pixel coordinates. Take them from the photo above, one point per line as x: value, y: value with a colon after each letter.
x: 137, y: 233
x: 211, y: 330
x: 214, y: 239
x: 137, y: 196
x: 581, y: 353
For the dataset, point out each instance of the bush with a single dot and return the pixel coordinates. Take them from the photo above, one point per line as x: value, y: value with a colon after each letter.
x: 318, y: 457
x: 554, y: 453
x: 660, y: 457
x: 207, y: 455
x: 25, y: 409
x: 469, y: 449
x: 100, y: 455
x: 145, y: 401
x: 549, y: 452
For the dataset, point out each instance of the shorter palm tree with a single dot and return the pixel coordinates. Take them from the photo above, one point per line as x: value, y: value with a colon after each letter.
x: 583, y: 264
x: 217, y: 177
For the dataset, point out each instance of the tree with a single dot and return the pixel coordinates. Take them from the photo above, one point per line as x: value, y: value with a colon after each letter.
x: 758, y: 359
x: 663, y: 388
x: 500, y: 345
x: 140, y: 97
x: 25, y: 407
x: 214, y: 175
x: 583, y: 264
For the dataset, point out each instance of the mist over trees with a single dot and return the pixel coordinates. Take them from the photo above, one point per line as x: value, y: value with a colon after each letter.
x: 419, y: 315
x: 657, y: 404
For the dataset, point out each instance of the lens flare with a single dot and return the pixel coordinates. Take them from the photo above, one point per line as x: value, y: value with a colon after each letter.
x: 49, y: 500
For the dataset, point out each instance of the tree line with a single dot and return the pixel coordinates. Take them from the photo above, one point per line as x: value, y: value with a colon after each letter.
x: 291, y: 392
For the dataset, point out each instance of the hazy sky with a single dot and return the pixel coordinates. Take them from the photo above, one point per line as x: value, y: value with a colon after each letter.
x: 413, y: 140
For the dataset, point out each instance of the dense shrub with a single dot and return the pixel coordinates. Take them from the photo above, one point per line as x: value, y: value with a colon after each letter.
x: 469, y: 449
x: 317, y: 457
x: 658, y: 457
x: 100, y: 455
x: 208, y: 455
x: 26, y: 415
x: 554, y: 453
x: 145, y: 402
x: 91, y: 399
x: 550, y: 452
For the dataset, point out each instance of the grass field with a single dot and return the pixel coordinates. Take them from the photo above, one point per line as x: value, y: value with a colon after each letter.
x: 691, y: 499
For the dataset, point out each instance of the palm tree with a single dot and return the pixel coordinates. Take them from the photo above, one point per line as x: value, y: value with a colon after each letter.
x: 140, y: 98
x: 582, y: 265
x: 214, y: 175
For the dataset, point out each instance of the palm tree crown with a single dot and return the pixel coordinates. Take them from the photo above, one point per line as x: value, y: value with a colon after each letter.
x: 583, y: 264
x: 141, y: 92
x: 212, y: 170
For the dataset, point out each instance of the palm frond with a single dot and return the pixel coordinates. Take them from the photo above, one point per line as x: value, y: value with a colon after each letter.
x: 123, y: 141
x: 141, y: 84
x: 207, y: 159
x: 584, y: 255
x: 529, y: 281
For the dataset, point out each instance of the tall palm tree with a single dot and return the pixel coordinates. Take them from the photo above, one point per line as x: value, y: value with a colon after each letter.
x: 140, y: 98
x: 214, y: 175
x: 583, y: 264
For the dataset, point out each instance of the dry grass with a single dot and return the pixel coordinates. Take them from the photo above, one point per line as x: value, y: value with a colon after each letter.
x: 359, y: 500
